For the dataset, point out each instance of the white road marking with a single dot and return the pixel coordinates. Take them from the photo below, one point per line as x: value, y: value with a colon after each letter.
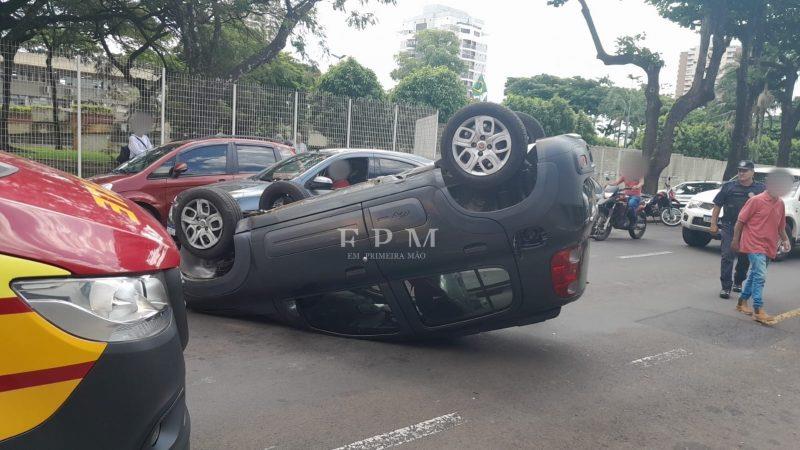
x: 407, y: 434
x: 644, y: 255
x: 660, y: 358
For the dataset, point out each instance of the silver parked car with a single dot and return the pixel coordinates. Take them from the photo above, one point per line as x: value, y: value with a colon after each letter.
x: 318, y: 172
x: 688, y: 189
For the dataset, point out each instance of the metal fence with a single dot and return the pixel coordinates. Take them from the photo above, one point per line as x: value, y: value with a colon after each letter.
x: 608, y: 161
x: 72, y: 112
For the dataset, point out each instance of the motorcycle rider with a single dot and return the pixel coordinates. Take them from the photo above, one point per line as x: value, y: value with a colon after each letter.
x: 633, y: 177
x: 731, y: 198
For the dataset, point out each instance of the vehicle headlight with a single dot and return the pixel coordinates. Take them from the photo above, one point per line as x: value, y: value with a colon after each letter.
x: 693, y: 205
x: 102, y: 309
x: 108, y: 186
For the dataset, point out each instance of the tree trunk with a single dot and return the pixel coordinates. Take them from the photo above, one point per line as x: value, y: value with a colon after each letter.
x: 747, y: 93
x: 51, y: 79
x: 652, y: 113
x: 701, y: 92
x: 789, y: 121
x: 8, y: 50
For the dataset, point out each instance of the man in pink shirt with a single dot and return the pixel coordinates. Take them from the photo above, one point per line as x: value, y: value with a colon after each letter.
x: 760, y: 229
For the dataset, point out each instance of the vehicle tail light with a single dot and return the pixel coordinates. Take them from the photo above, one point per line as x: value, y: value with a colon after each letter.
x: 671, y: 194
x: 565, y: 271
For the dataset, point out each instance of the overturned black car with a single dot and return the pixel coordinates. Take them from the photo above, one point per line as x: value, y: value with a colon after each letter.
x: 494, y: 235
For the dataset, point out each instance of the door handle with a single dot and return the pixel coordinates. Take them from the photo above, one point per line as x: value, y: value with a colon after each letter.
x: 355, y: 272
x: 221, y: 179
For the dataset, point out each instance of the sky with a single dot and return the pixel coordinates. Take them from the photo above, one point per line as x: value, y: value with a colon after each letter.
x: 526, y: 37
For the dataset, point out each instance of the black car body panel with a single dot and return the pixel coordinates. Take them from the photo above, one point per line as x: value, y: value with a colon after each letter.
x: 294, y: 262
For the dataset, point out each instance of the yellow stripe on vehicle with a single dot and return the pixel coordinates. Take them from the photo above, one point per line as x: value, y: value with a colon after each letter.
x: 30, y: 346
x: 23, y: 409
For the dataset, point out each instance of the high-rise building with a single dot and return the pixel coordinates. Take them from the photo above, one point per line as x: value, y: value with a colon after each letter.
x: 470, y: 31
x: 688, y: 64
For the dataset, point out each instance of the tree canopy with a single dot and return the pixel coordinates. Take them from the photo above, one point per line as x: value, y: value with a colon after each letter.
x: 432, y: 48
x: 348, y: 78
x: 583, y: 94
x: 437, y: 87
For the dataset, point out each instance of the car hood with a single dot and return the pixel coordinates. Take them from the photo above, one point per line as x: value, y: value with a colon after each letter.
x: 243, y: 188
x: 107, y: 178
x: 705, y: 197
x: 56, y: 218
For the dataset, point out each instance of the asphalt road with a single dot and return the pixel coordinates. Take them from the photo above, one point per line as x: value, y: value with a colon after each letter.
x: 649, y: 357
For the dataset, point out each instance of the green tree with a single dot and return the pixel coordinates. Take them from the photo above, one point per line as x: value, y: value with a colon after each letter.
x: 437, y: 87
x: 716, y: 21
x: 556, y: 116
x: 432, y: 48
x: 285, y: 71
x: 583, y: 94
x: 348, y: 78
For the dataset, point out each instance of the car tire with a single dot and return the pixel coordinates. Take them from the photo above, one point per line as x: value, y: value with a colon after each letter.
x: 211, y: 235
x: 488, y: 162
x: 694, y: 238
x: 282, y: 192
x: 533, y: 128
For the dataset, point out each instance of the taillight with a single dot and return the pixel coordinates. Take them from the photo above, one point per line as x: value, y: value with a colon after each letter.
x: 565, y: 271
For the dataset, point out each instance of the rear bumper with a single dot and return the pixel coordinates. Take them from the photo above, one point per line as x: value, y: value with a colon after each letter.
x: 135, y: 391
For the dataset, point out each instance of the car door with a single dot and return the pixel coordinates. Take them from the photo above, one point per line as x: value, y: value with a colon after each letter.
x: 251, y: 158
x: 206, y: 164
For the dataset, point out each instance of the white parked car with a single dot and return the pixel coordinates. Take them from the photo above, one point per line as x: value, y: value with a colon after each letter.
x: 696, y: 220
x: 688, y: 189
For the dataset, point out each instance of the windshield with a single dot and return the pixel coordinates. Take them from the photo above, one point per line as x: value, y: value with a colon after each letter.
x: 142, y: 161
x: 291, y: 167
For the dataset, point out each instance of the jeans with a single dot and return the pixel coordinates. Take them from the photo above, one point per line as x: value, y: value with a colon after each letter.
x: 728, y: 256
x: 754, y: 287
x: 633, y: 204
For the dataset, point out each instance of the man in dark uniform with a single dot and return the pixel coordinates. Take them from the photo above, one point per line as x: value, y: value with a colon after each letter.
x: 731, y: 198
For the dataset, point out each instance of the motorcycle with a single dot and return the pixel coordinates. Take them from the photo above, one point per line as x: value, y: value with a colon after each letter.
x: 663, y: 206
x: 612, y: 212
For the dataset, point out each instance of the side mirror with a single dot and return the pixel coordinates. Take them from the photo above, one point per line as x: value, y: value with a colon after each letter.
x: 320, y: 182
x: 178, y: 169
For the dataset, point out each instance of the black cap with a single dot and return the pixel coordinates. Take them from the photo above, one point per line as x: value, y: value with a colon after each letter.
x: 746, y: 164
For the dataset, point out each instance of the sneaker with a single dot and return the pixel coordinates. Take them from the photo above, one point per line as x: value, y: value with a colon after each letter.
x: 743, y: 308
x: 725, y: 293
x: 762, y: 317
x: 737, y: 287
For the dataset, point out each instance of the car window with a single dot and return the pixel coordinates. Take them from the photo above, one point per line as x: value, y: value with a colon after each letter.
x: 457, y: 296
x: 362, y: 311
x: 254, y: 158
x: 206, y: 160
x: 163, y: 170
x: 284, y: 153
x: 353, y: 170
x: 393, y: 166
x: 292, y: 167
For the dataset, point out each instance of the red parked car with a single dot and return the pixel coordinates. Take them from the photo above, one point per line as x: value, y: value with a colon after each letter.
x: 152, y: 180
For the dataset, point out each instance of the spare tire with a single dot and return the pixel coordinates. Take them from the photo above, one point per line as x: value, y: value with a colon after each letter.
x: 533, y: 127
x: 205, y: 220
x: 483, y: 145
x: 281, y: 193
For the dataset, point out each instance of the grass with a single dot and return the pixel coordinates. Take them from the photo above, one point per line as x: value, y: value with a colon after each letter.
x: 45, y: 153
